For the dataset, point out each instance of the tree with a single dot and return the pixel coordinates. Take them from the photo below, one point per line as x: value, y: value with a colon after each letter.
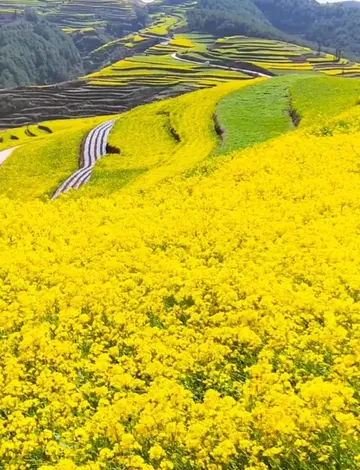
x: 36, y: 52
x: 31, y: 15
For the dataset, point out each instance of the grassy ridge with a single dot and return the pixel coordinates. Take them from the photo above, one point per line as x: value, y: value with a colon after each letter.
x: 255, y: 114
x: 262, y: 112
x: 160, y: 140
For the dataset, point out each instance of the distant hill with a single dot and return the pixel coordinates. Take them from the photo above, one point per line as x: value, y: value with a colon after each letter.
x: 231, y: 17
x: 334, y: 25
x: 36, y: 52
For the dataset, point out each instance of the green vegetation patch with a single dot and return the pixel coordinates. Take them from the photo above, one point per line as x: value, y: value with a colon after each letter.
x: 263, y: 111
x: 255, y: 114
x: 36, y: 53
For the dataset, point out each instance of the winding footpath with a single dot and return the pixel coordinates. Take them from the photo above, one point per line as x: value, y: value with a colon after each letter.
x: 4, y: 154
x: 93, y: 149
x: 165, y: 40
x: 209, y: 64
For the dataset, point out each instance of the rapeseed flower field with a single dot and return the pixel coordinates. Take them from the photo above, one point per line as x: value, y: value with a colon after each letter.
x: 203, y: 321
x: 143, y: 136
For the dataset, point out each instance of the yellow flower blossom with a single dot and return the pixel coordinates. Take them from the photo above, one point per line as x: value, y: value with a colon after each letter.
x: 210, y: 320
x: 156, y: 452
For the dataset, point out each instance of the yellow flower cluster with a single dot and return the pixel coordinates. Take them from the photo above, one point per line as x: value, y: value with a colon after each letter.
x: 155, y: 70
x: 205, y: 322
x: 182, y: 42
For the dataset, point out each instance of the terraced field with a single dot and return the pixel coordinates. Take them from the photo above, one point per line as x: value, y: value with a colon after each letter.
x: 91, y: 25
x: 119, y: 87
x: 75, y: 13
x: 156, y: 141
x: 162, y: 70
x: 150, y: 142
x: 160, y: 29
x: 31, y: 105
x: 160, y: 61
x: 114, y: 89
x: 275, y: 56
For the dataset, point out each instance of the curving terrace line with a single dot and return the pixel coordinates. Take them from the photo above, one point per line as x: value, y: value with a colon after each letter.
x: 93, y: 149
x: 247, y: 71
x: 95, y: 143
x: 166, y: 40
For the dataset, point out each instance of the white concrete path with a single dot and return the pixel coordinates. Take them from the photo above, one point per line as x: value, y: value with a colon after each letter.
x: 251, y: 72
x: 94, y: 148
x: 4, y: 154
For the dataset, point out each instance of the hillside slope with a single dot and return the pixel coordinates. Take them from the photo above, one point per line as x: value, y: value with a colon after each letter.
x: 153, y: 142
x: 156, y: 141
x: 36, y: 52
x: 168, y: 66
x: 209, y: 320
x: 229, y: 17
x: 336, y: 26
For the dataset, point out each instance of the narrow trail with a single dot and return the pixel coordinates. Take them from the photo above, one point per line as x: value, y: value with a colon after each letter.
x: 93, y: 149
x: 223, y: 67
x: 4, y: 154
x: 165, y: 40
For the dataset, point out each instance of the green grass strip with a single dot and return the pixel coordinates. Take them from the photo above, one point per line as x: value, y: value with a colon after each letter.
x: 255, y: 114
